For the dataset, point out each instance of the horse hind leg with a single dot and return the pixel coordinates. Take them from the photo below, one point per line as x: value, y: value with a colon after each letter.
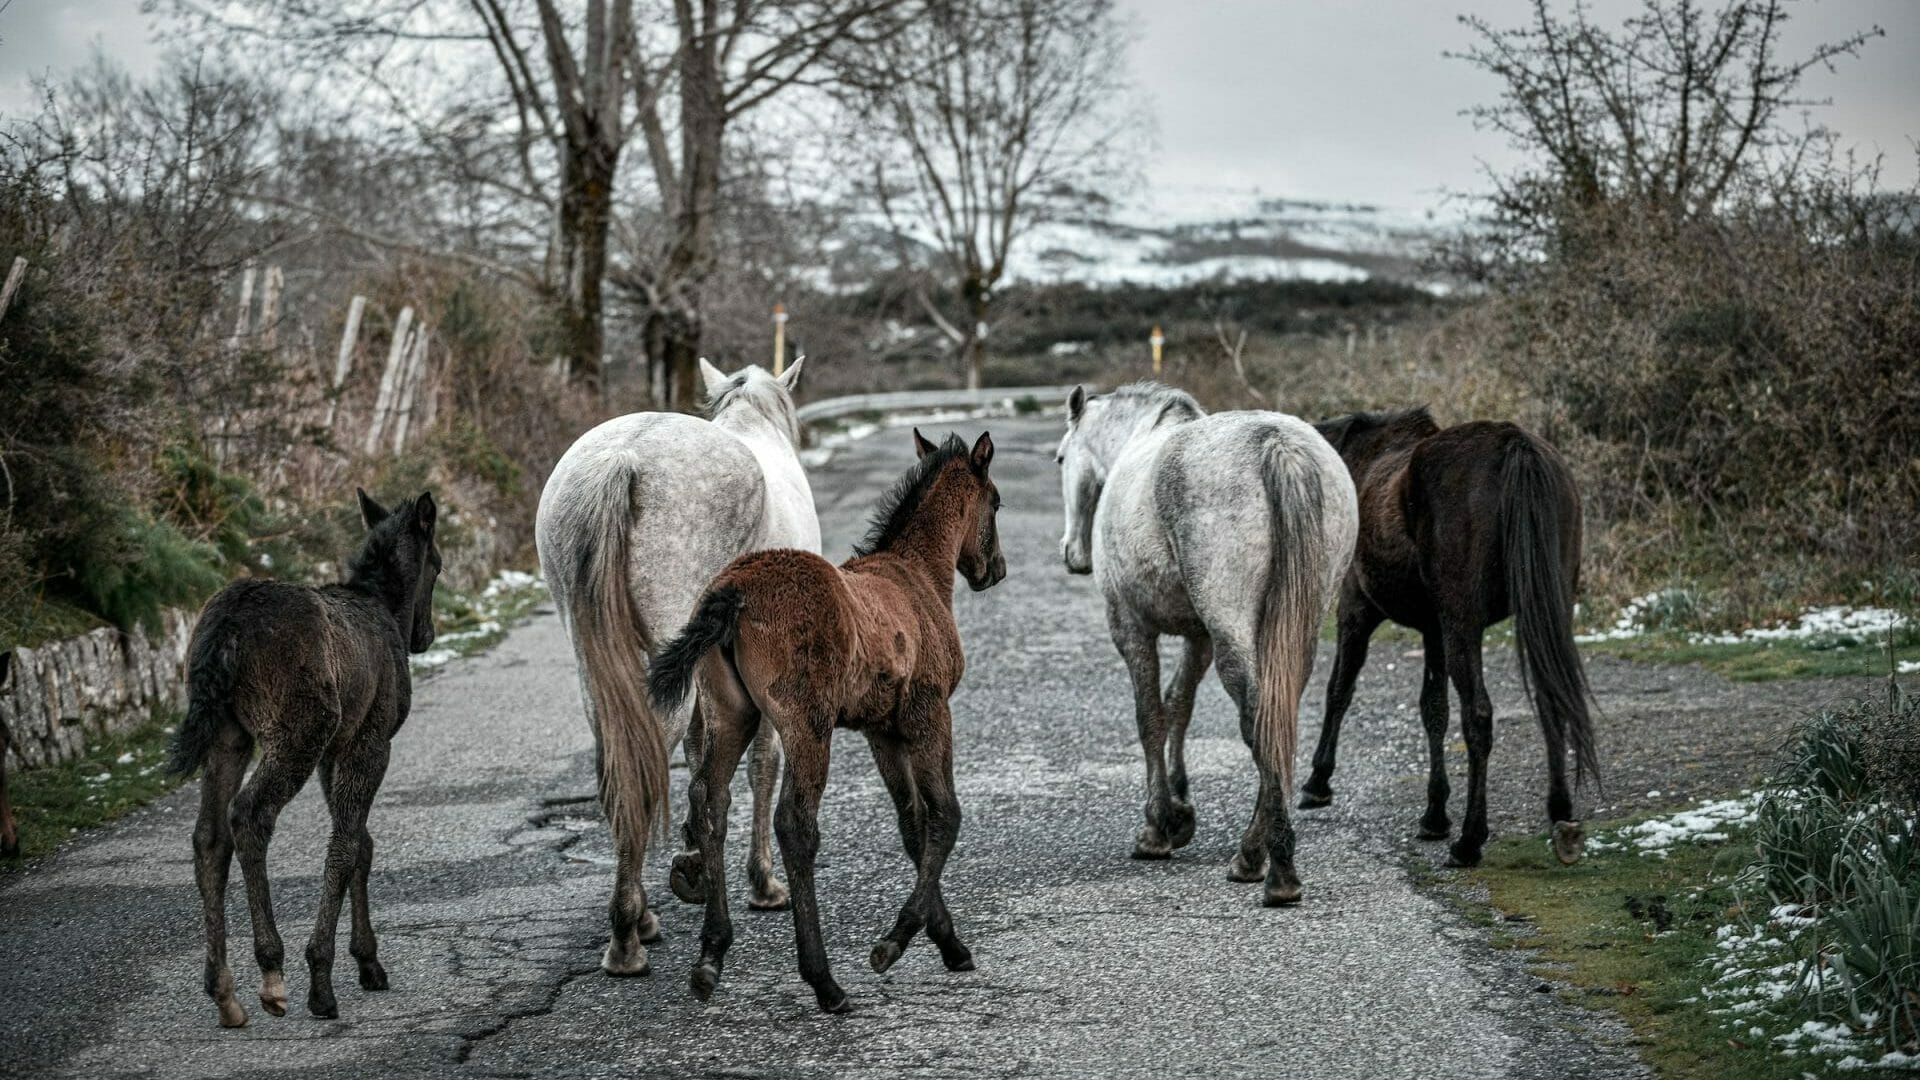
x: 766, y: 891
x: 729, y: 729
x: 1140, y: 649
x: 349, y: 784
x: 275, y: 781
x: 213, y: 858
x: 1476, y: 720
x: 685, y: 877
x: 1356, y: 622
x: 1194, y: 661
x: 1435, y: 824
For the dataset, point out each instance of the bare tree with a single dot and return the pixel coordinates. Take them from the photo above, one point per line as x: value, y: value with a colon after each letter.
x: 1676, y: 111
x: 985, y: 117
x: 725, y: 60
x: 520, y: 106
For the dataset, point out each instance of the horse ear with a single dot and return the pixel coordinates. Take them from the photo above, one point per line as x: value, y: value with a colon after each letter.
x: 921, y: 447
x: 1076, y: 404
x: 715, y: 379
x: 425, y: 513
x: 790, y: 378
x: 983, y: 452
x: 370, y: 512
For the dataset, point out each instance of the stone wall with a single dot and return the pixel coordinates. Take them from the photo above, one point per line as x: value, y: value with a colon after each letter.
x: 57, y: 697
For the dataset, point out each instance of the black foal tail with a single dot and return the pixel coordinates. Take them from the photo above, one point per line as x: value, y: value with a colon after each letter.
x: 211, y: 661
x: 714, y: 624
x: 1541, y: 511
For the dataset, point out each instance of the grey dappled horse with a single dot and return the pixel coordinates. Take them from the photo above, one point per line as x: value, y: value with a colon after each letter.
x: 1233, y: 532
x: 638, y: 516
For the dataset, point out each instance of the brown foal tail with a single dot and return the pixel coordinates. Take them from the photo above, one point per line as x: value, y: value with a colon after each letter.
x: 1536, y: 495
x: 614, y: 651
x: 1291, y: 605
x: 715, y: 624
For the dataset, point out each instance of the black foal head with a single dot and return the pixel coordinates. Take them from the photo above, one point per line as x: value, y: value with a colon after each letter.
x: 1362, y: 436
x: 400, y: 563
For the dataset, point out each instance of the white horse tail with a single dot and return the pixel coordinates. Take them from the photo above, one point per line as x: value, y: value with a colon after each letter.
x: 614, y: 652
x: 1292, y: 604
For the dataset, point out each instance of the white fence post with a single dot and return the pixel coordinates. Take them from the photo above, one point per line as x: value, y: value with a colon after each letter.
x: 270, y: 307
x: 14, y: 277
x: 244, y: 324
x: 343, y: 363
x: 409, y: 386
x: 396, y: 353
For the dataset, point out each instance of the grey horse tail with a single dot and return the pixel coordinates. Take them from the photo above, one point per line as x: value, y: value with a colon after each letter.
x: 1536, y: 493
x: 715, y: 624
x: 212, y: 658
x: 1292, y: 604
x: 614, y: 649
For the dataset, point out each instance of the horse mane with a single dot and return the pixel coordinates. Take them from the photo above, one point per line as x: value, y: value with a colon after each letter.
x: 895, y: 510
x: 371, y: 568
x: 742, y: 388
x: 1147, y: 394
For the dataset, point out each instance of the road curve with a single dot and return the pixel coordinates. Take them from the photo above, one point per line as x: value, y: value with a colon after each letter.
x: 491, y: 872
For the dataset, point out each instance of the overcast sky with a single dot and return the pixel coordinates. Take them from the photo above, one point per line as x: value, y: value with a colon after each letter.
x: 1301, y: 98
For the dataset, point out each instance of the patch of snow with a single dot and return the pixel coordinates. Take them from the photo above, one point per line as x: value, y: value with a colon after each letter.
x: 1702, y: 824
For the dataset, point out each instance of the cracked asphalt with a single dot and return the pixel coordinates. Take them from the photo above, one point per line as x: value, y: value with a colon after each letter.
x: 491, y: 865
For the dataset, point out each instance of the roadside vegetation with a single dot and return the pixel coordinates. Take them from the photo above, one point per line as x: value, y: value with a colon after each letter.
x: 1772, y: 933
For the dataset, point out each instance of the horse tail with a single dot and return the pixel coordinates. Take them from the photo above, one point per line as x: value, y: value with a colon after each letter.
x: 212, y: 666
x: 715, y: 625
x: 614, y: 648
x: 1540, y: 511
x: 1292, y: 604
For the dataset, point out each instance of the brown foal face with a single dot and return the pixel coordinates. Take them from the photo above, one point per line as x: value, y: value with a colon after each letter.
x: 980, y: 560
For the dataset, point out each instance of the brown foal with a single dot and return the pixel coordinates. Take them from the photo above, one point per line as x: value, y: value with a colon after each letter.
x: 786, y: 637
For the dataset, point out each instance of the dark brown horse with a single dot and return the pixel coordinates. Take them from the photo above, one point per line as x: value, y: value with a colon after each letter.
x: 314, y: 677
x: 1459, y: 529
x: 786, y: 638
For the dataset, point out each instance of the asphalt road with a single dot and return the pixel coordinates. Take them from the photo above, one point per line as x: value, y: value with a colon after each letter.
x: 491, y: 867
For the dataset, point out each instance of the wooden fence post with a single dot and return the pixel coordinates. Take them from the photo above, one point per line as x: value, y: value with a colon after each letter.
x: 409, y: 387
x: 14, y: 277
x: 244, y: 324
x: 270, y: 307
x: 396, y: 353
x: 343, y: 363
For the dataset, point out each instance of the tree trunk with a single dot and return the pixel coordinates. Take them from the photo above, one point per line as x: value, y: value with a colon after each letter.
x: 586, y: 215
x: 979, y: 296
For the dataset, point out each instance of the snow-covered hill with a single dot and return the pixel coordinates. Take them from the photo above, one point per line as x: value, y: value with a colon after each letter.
x: 1183, y: 236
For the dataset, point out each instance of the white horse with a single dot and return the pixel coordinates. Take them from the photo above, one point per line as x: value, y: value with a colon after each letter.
x: 639, y: 515
x: 1232, y: 531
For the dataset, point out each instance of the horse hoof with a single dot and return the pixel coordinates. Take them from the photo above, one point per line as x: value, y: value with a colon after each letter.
x: 231, y: 1014
x: 1182, y: 818
x: 1284, y: 894
x: 705, y: 978
x: 959, y: 960
x: 1151, y: 845
x: 273, y: 994
x: 883, y: 956
x: 1314, y: 800
x: 688, y: 878
x: 1569, y: 840
x: 1430, y: 831
x: 323, y: 1008
x: 1246, y: 872
x: 373, y: 976
x: 649, y: 929
x: 772, y: 897
x: 624, y: 966
x: 833, y: 1000
x: 1462, y: 857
